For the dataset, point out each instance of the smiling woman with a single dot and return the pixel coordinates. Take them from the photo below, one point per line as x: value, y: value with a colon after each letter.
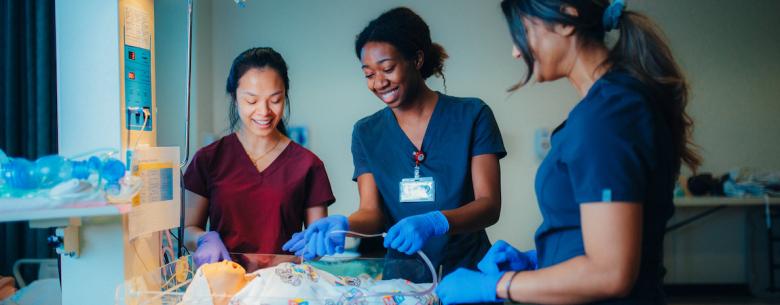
x: 267, y: 73
x: 427, y: 165
x: 255, y: 186
x: 382, y: 47
x: 605, y: 187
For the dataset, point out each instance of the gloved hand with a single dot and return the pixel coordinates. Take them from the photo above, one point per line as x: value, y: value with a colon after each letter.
x: 296, y: 243
x: 503, y: 257
x: 468, y: 286
x: 210, y: 249
x: 317, y: 239
x: 410, y: 234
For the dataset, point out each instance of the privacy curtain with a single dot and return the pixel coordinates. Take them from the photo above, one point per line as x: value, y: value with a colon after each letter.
x: 28, y: 105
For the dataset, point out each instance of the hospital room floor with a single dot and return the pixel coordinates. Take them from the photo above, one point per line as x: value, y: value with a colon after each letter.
x: 700, y: 300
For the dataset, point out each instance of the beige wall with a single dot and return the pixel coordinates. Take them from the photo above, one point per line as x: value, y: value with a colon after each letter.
x: 728, y: 49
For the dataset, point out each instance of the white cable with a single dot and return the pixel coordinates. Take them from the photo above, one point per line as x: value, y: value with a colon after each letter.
x: 143, y: 128
x: 103, y: 152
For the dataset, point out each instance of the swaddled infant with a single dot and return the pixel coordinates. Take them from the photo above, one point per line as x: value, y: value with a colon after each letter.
x: 295, y: 284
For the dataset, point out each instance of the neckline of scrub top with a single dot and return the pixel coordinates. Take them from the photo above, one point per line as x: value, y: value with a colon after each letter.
x: 590, y: 92
x: 425, y: 145
x: 268, y: 169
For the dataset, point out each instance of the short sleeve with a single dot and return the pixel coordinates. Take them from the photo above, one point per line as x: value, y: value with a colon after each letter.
x: 487, y: 137
x: 318, y: 187
x: 196, y: 176
x: 609, y: 156
x: 358, y: 154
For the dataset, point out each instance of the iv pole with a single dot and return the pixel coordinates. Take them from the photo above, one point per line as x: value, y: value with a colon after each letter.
x: 187, y: 93
x: 180, y: 246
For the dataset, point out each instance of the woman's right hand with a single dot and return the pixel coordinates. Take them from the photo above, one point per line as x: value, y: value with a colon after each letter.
x: 503, y: 257
x: 319, y: 238
x: 210, y: 249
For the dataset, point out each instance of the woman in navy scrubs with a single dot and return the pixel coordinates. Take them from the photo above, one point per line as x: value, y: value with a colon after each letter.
x: 605, y: 188
x: 427, y: 165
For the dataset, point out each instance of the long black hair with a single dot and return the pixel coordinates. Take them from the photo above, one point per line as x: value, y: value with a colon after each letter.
x: 408, y: 33
x: 641, y: 50
x: 256, y: 58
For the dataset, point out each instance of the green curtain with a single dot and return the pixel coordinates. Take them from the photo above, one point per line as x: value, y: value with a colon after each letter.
x: 28, y: 105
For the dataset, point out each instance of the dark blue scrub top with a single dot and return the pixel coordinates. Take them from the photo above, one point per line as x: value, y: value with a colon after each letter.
x: 612, y: 142
x: 459, y: 129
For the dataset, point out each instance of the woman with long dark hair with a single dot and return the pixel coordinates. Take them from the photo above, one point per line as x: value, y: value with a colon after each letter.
x: 605, y: 188
x: 255, y: 187
x: 426, y: 165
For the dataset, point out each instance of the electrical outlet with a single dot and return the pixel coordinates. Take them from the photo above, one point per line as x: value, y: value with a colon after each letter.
x: 542, y: 142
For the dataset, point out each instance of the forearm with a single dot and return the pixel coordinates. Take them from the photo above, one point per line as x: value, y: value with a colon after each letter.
x: 474, y: 216
x: 315, y: 213
x: 191, y: 235
x: 366, y: 221
x: 486, y: 208
x: 196, y: 218
x: 576, y: 281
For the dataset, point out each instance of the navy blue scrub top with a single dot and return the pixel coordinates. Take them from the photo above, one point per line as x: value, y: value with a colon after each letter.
x: 613, y: 144
x: 459, y: 129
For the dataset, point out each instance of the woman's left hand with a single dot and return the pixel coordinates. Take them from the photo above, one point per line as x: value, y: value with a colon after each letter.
x: 466, y: 286
x: 410, y: 234
x: 503, y: 257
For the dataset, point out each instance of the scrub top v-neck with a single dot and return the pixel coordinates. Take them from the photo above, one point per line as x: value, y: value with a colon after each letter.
x: 270, y: 168
x: 459, y: 129
x: 253, y: 211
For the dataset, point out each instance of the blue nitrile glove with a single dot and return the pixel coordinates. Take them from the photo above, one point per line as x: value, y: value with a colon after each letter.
x: 318, y: 240
x: 295, y: 244
x: 410, y: 234
x: 210, y: 249
x: 503, y: 257
x: 468, y: 286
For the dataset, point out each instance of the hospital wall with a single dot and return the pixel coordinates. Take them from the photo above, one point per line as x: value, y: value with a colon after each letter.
x: 727, y: 48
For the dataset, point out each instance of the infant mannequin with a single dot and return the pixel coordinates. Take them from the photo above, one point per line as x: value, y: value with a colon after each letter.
x: 225, y: 279
x: 287, y: 283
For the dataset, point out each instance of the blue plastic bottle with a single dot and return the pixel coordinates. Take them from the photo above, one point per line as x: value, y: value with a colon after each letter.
x: 51, y: 170
x: 112, y: 170
x: 19, y: 176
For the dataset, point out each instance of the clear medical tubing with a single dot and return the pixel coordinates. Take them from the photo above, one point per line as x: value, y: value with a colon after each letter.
x: 419, y: 252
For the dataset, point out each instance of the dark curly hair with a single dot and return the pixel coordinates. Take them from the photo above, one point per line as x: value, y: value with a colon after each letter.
x: 408, y: 33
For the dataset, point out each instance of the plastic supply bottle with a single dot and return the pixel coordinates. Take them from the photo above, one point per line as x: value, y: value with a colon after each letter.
x: 20, y: 176
x: 112, y: 170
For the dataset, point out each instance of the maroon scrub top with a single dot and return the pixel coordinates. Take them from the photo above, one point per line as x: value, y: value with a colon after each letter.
x: 257, y: 212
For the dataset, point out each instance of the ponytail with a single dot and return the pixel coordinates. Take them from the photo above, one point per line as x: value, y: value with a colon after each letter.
x: 641, y: 51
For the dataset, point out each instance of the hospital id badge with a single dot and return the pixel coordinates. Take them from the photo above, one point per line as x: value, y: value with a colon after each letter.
x: 422, y: 189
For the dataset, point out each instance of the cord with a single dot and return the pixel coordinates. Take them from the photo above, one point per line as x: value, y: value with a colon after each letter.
x: 422, y: 255
x: 147, y: 115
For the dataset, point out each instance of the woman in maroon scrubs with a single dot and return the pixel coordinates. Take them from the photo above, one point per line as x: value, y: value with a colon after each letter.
x: 254, y: 186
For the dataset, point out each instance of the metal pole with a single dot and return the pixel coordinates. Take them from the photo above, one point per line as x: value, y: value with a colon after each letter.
x: 187, y: 94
